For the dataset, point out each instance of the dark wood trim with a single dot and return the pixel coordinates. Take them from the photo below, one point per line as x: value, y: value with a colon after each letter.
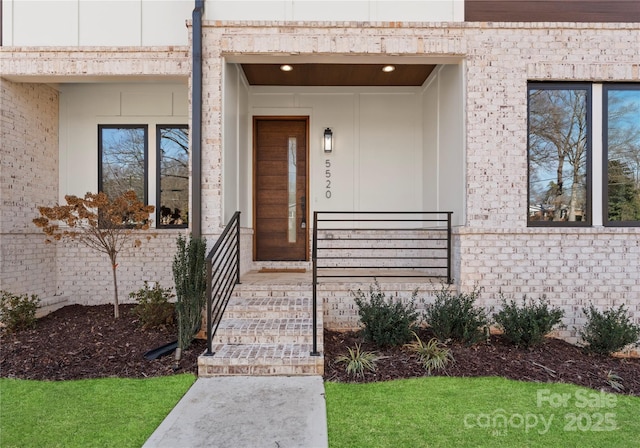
x: 337, y: 75
x: 552, y: 11
x: 255, y: 119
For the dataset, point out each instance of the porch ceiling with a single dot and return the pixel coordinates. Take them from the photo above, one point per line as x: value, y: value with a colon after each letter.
x: 337, y: 75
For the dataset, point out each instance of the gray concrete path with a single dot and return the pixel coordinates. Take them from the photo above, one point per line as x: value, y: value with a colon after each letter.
x: 247, y: 412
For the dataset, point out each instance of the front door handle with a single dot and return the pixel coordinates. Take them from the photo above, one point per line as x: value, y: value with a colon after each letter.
x: 303, y: 205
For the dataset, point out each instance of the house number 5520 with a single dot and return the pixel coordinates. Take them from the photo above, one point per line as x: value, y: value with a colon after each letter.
x: 327, y: 178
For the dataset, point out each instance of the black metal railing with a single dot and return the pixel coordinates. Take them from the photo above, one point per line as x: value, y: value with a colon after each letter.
x: 223, y: 274
x: 379, y: 244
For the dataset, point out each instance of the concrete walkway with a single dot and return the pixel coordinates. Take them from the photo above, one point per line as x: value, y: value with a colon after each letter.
x: 247, y: 412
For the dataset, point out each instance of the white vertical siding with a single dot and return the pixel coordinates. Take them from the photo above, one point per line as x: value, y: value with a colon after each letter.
x: 84, y: 106
x: 162, y: 22
x: 387, y: 155
x: 334, y: 10
x: 95, y: 22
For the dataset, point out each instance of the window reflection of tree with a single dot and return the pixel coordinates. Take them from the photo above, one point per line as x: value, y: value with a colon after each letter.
x: 623, y: 153
x: 174, y: 176
x: 558, y: 153
x: 123, y: 161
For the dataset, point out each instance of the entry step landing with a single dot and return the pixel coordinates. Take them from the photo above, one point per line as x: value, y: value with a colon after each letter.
x: 266, y: 329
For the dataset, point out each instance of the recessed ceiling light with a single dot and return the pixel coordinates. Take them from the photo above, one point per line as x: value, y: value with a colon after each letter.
x: 286, y: 68
x: 388, y: 68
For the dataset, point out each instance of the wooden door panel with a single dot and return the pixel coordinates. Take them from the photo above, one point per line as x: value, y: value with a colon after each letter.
x: 272, y: 183
x: 272, y: 197
x: 272, y: 212
x: 278, y: 169
x: 271, y: 225
x: 280, y: 219
x: 271, y: 153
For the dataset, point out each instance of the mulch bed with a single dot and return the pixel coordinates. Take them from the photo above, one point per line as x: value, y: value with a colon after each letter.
x: 554, y: 361
x: 77, y: 342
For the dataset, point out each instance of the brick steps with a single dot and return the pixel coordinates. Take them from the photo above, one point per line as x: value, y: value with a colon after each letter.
x: 263, y: 331
x: 266, y: 330
x: 260, y: 359
x: 269, y: 307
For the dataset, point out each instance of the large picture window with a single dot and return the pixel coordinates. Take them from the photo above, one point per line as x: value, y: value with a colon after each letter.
x: 621, y: 112
x: 173, y: 176
x: 559, y: 154
x: 122, y: 160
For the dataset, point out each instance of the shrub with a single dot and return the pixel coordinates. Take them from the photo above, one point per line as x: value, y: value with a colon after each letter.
x: 18, y: 312
x: 153, y: 308
x: 454, y: 316
x: 386, y: 322
x: 190, y: 277
x: 433, y: 355
x: 358, y: 361
x: 527, y: 325
x: 608, y: 331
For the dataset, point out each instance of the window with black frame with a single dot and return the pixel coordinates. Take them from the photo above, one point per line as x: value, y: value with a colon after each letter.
x: 621, y: 113
x: 173, y: 176
x: 122, y: 160
x: 559, y: 154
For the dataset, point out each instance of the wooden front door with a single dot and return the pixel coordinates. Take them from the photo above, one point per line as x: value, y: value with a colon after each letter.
x: 280, y: 161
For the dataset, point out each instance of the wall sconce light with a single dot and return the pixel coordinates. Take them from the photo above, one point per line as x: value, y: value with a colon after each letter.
x: 328, y: 140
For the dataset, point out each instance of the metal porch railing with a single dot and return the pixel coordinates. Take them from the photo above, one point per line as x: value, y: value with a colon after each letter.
x: 223, y: 274
x: 379, y: 244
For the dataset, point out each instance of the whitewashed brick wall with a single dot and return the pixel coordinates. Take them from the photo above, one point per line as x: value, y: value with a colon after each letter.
x: 570, y: 267
x: 64, y: 272
x: 340, y: 311
x: 494, y: 249
x: 28, y: 178
x: 85, y: 62
x: 85, y: 276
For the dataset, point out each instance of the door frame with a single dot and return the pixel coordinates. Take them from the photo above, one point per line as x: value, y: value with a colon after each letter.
x: 254, y: 187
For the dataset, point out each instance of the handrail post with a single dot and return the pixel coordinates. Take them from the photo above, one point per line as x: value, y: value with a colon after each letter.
x: 449, y: 280
x: 209, y: 351
x: 226, y: 281
x: 238, y: 248
x: 314, y: 302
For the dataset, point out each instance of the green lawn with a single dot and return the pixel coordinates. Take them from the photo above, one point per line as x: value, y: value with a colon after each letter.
x: 110, y: 412
x: 478, y: 412
x: 424, y: 412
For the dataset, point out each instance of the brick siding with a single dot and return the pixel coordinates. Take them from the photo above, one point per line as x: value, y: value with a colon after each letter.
x: 494, y: 249
x: 28, y: 177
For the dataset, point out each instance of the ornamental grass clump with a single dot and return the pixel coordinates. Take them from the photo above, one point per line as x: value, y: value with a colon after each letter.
x: 386, y: 322
x: 455, y: 317
x: 433, y: 355
x: 527, y: 325
x: 358, y: 361
x: 608, y: 331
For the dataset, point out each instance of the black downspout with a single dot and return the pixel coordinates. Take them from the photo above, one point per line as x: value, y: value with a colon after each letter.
x: 196, y: 120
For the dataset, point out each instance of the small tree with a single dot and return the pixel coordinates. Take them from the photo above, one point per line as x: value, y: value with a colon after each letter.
x: 99, y: 223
